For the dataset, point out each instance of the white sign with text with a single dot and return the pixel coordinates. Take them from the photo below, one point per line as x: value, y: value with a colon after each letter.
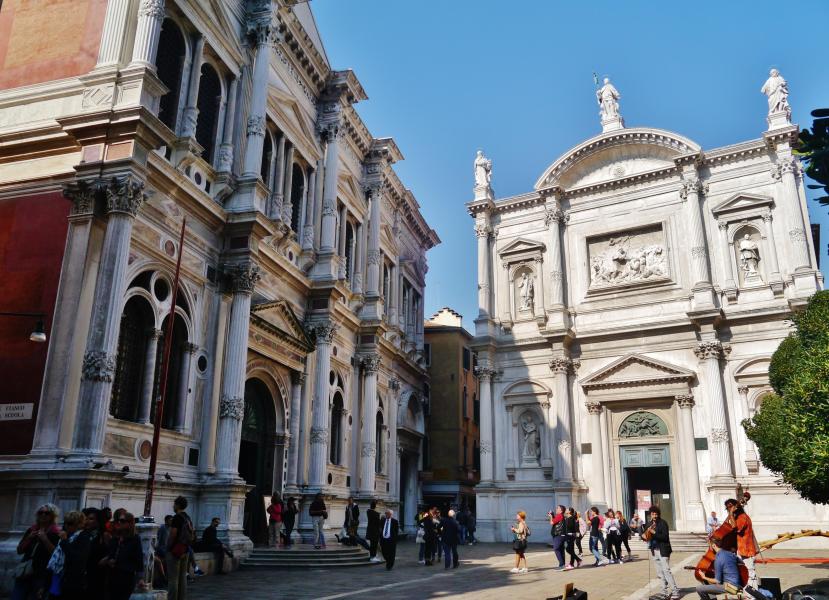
x: 16, y: 412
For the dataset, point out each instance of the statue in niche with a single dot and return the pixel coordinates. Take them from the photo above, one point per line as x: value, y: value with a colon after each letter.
x: 483, y: 170
x: 532, y: 442
x: 608, y: 98
x: 777, y: 91
x: 749, y: 255
x: 527, y: 291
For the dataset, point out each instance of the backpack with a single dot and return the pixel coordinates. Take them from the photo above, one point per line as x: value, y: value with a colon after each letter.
x: 184, y: 538
x: 529, y: 533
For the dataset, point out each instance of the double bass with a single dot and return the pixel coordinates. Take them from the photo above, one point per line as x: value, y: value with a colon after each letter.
x: 722, y: 536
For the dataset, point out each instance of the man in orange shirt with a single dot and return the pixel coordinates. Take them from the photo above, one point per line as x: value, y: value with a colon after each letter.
x: 747, y: 547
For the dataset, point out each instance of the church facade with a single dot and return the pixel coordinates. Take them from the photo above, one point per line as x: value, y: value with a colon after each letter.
x: 297, y: 342
x: 628, y: 309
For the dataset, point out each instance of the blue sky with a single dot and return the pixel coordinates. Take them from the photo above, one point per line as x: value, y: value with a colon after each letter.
x: 514, y: 78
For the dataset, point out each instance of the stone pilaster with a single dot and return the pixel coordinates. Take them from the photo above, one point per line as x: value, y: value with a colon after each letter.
x: 561, y: 366
x: 710, y: 352
x: 56, y: 411
x: 150, y: 17
x: 242, y: 279
x: 324, y: 334
x: 191, y: 112
x: 730, y: 287
x: 224, y: 164
x: 124, y: 196
x: 751, y: 460
x: 263, y: 33
x: 555, y: 219
x: 694, y: 514
x: 368, y: 448
x: 114, y: 33
x: 297, y: 385
x: 483, y: 231
x: 485, y: 375
x: 598, y: 494
x: 775, y: 279
x: 187, y: 353
x: 690, y: 191
x: 789, y: 167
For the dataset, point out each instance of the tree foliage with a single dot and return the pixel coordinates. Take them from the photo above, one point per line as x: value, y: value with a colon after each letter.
x: 791, y: 428
x: 814, y: 150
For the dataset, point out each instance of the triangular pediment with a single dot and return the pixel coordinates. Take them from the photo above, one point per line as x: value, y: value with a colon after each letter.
x: 636, y: 369
x: 520, y: 246
x: 742, y: 201
x: 278, y: 318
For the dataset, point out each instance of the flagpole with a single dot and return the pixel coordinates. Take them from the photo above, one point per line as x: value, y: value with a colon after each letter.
x: 162, y: 392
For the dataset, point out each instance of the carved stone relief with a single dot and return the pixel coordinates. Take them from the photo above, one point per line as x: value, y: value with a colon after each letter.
x: 642, y: 424
x: 630, y: 257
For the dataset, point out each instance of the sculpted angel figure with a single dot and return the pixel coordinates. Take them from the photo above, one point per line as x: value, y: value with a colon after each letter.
x: 527, y: 290
x: 608, y: 98
x: 483, y: 170
x: 532, y: 444
x: 749, y: 254
x: 777, y: 91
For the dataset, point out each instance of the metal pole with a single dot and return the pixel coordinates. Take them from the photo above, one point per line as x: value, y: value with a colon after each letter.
x: 165, y: 367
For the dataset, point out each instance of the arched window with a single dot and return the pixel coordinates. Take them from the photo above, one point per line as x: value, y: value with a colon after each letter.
x: 173, y: 401
x: 335, y: 443
x: 210, y: 97
x: 172, y: 52
x: 378, y: 436
x: 297, y: 190
x: 136, y: 325
x: 267, y: 157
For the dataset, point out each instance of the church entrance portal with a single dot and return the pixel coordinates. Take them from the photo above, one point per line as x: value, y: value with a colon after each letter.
x: 646, y: 480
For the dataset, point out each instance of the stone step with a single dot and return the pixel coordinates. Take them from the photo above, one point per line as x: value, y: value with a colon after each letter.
x: 680, y: 542
x: 304, y: 556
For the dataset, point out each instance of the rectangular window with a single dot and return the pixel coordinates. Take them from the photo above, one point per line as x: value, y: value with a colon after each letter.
x: 464, y: 402
x: 466, y: 359
x: 427, y: 354
x: 476, y: 409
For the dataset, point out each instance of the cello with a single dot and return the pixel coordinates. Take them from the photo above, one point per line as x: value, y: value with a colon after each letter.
x: 723, y: 537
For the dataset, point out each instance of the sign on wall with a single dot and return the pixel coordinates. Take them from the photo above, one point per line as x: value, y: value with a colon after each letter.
x: 16, y: 412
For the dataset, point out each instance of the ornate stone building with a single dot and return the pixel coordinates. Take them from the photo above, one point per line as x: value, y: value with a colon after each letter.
x: 297, y: 345
x: 629, y: 306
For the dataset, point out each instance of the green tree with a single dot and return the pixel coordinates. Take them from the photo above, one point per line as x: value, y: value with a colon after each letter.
x: 814, y: 150
x: 791, y: 428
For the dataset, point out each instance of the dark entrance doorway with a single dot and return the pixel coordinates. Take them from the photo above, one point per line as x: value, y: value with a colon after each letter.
x: 256, y: 453
x: 646, y: 475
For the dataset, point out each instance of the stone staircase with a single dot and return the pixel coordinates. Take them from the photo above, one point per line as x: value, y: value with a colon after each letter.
x: 305, y: 556
x: 680, y: 542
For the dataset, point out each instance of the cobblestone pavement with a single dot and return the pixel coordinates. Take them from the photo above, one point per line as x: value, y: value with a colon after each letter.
x: 483, y: 574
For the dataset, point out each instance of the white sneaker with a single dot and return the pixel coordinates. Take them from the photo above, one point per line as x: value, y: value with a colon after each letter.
x: 515, y: 570
x: 524, y: 570
x: 421, y: 562
x: 375, y: 560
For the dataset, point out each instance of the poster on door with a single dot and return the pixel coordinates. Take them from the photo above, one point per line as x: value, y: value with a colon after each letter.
x: 643, y: 502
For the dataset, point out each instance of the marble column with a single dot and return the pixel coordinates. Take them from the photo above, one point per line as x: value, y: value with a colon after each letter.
x: 319, y: 178
x: 54, y: 417
x: 483, y: 232
x: 150, y: 17
x: 225, y: 162
x: 554, y: 217
x: 288, y: 182
x: 540, y: 301
x: 359, y: 259
x: 774, y: 267
x: 148, y: 381
x: 690, y: 191
x: 308, y: 221
x: 373, y: 254
x: 504, y: 293
x: 485, y: 376
x: 297, y: 385
x: 594, y: 410
x: 727, y: 256
x: 114, y: 31
x: 264, y: 33
x: 243, y: 278
x: 276, y: 180
x: 324, y: 334
x: 329, y: 193
x: 187, y: 352
x: 752, y: 462
x: 191, y: 111
x: 560, y: 366
x: 792, y: 209
x: 710, y: 352
x: 368, y: 447
x: 124, y: 196
x: 694, y: 511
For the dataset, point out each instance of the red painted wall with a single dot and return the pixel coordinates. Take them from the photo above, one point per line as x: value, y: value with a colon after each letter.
x: 32, y: 239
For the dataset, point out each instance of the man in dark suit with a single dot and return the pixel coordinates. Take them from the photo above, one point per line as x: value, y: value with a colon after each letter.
x: 450, y: 536
x: 389, y: 528
x: 373, y: 531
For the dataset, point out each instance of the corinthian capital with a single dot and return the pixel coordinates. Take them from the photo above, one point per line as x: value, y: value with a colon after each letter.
x: 594, y: 408
x: 706, y: 350
x: 323, y: 332
x: 692, y: 185
x: 484, y: 373
x: 243, y: 277
x: 231, y: 408
x: 124, y: 194
x: 371, y: 363
x: 560, y: 364
x: 482, y: 230
x: 555, y: 215
x: 82, y: 193
x: 684, y: 400
x: 152, y: 8
x: 262, y: 31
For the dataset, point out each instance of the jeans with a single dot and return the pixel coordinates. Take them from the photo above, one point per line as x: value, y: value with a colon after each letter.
x: 594, y: 547
x: 319, y: 537
x: 31, y: 588
x: 177, y: 576
x: 362, y: 542
x: 461, y: 534
x: 447, y: 550
x: 710, y: 588
x: 558, y: 548
x: 663, y: 571
x: 421, y: 553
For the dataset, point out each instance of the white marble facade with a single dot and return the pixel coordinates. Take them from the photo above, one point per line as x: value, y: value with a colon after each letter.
x: 628, y: 308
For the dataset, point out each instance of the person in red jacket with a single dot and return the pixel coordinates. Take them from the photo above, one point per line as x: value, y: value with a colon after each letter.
x: 275, y: 521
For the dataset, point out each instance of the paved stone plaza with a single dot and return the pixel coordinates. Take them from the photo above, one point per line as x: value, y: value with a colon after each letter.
x: 483, y: 574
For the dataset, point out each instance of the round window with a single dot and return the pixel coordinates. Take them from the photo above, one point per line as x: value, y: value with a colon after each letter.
x: 202, y: 363
x: 161, y: 289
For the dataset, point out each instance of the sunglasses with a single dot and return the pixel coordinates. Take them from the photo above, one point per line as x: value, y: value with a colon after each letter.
x: 43, y: 513
x: 122, y: 521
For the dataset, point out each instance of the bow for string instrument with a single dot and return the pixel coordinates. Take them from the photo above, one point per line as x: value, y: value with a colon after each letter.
x: 725, y: 536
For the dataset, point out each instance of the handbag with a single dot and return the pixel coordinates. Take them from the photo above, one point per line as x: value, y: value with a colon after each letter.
x: 25, y: 569
x: 519, y: 545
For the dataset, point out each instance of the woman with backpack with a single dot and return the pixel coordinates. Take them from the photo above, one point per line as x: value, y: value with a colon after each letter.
x: 571, y: 530
x: 625, y: 530
x: 557, y: 531
x: 520, y: 532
